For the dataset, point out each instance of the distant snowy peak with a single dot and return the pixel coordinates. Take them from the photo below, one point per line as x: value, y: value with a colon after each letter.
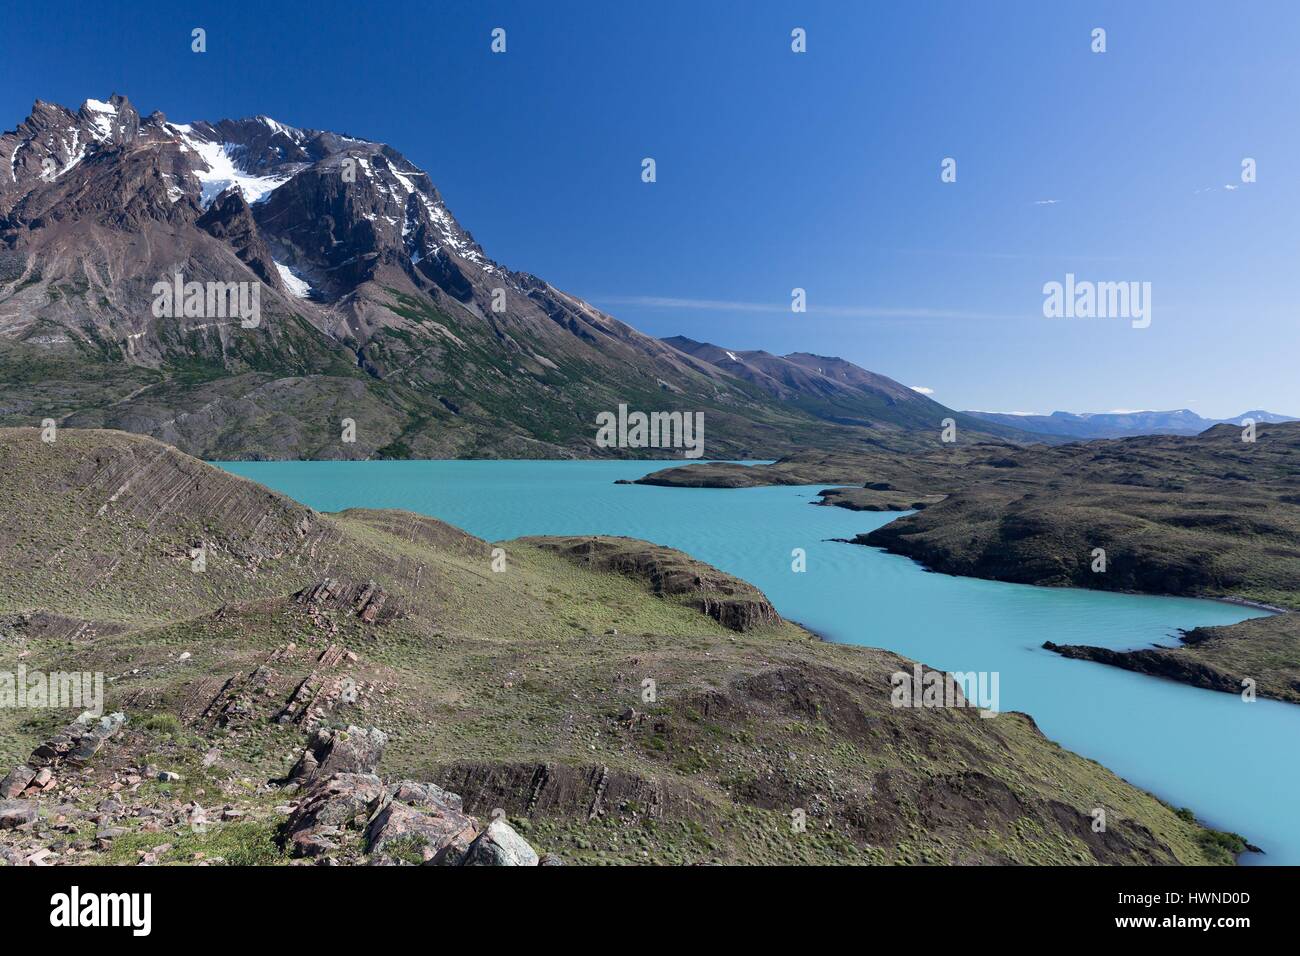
x: 292, y: 132
x: 1121, y: 423
x: 413, y: 204
x: 261, y: 154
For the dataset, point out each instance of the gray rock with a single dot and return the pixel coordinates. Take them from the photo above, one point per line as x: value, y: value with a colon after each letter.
x: 500, y: 845
x: 80, y: 740
x: 432, y: 829
x: 355, y: 750
x: 425, y: 795
x: 332, y: 805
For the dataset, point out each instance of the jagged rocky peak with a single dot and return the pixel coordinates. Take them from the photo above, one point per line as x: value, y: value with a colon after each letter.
x: 114, y: 121
x: 53, y: 141
x: 265, y: 144
x: 353, y: 200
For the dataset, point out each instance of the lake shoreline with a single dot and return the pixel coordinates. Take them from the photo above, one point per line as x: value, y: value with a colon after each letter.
x: 861, y: 596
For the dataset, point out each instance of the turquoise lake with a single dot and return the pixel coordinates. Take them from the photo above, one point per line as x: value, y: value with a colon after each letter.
x: 1224, y: 758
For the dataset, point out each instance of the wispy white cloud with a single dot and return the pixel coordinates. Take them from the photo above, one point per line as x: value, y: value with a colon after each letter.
x: 775, y: 308
x: 1013, y: 256
x: 922, y: 389
x: 1046, y: 202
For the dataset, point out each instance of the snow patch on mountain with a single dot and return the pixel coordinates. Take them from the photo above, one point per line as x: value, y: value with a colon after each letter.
x: 447, y: 231
x: 222, y: 173
x: 104, y: 114
x: 296, y: 285
x: 406, y: 183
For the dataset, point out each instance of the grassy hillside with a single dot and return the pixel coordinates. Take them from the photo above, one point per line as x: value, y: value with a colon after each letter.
x: 523, y: 688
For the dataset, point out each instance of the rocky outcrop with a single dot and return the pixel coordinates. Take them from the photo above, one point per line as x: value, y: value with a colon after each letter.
x: 75, y: 744
x: 562, y: 790
x: 738, y: 613
x: 356, y: 750
x: 368, y: 601
x: 348, y: 810
x: 79, y: 741
x: 16, y: 781
x: 230, y: 218
x: 333, y: 805
x: 433, y: 827
x: 1155, y: 662
x: 731, y: 602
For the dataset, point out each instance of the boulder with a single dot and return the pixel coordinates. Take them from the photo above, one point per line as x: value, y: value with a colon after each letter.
x: 17, y: 813
x: 314, y: 843
x: 454, y: 853
x: 500, y: 845
x: 432, y: 829
x: 16, y: 781
x: 405, y: 822
x: 355, y: 750
x: 334, y: 804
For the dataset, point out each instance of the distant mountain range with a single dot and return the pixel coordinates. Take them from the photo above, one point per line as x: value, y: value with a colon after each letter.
x: 838, y: 391
x: 376, y: 307
x: 1073, y: 425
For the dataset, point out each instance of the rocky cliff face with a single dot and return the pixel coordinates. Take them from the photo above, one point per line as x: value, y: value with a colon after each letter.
x: 376, y: 305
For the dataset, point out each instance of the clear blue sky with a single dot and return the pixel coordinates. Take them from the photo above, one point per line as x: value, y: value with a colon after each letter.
x: 820, y: 170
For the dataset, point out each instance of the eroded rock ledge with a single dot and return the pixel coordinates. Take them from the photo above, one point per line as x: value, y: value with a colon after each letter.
x: 730, y: 601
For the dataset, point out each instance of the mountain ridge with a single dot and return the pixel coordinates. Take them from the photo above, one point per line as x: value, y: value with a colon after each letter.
x: 837, y: 390
x: 1121, y: 424
x: 379, y: 309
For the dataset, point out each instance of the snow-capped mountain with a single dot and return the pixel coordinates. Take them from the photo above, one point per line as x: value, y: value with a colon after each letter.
x: 1122, y: 424
x: 377, y: 306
